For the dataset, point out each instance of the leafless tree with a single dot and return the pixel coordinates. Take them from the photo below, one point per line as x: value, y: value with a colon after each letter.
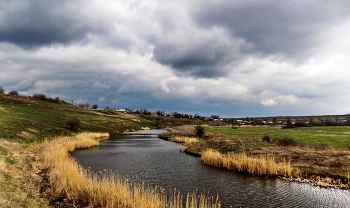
x: 13, y: 93
x: 2, y: 90
x: 199, y: 130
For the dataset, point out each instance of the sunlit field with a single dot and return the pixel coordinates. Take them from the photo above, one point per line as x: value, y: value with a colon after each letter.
x: 335, y: 136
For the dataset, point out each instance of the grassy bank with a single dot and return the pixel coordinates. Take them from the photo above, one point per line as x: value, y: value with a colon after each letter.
x: 184, y: 140
x: 318, y: 155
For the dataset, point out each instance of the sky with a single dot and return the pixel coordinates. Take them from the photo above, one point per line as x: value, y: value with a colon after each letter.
x: 233, y: 58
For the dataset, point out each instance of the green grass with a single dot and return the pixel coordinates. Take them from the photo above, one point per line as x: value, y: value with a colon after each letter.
x: 7, y: 156
x: 337, y: 136
x: 26, y: 120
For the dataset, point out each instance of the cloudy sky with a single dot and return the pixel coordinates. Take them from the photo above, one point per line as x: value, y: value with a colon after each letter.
x: 233, y: 58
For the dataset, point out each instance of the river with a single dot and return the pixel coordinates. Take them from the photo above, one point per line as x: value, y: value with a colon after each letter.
x: 142, y: 157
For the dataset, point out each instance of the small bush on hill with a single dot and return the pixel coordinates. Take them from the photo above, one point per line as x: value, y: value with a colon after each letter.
x: 13, y: 93
x: 287, y: 142
x: 84, y: 105
x: 95, y: 106
x: 2, y: 91
x: 39, y: 96
x: 266, y: 138
x: 73, y: 123
x: 199, y: 131
x: 57, y: 100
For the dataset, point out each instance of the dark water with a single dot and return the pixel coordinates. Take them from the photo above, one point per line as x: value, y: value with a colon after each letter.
x: 141, y: 156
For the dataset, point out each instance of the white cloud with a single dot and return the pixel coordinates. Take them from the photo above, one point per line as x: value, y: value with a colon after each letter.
x: 268, y: 102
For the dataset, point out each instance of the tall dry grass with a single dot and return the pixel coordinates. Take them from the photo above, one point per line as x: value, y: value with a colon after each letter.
x: 255, y: 165
x: 183, y: 139
x: 104, y: 189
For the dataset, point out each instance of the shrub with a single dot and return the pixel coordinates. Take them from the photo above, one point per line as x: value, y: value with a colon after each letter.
x: 266, y: 138
x: 2, y: 90
x: 199, y: 131
x: 57, y: 100
x: 287, y: 142
x: 301, y: 124
x: 73, y: 123
x: 40, y: 96
x: 95, y: 106
x: 84, y: 105
x: 13, y: 93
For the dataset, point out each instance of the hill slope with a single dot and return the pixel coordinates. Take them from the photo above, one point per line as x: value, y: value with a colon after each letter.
x: 25, y: 119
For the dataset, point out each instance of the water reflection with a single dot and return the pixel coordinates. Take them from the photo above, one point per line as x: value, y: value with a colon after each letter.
x: 141, y: 156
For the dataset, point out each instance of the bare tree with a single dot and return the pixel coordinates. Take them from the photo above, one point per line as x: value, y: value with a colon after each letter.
x: 2, y: 90
x: 13, y: 93
x: 40, y: 96
x: 199, y: 130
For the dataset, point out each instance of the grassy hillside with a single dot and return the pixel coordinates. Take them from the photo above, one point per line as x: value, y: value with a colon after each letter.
x: 26, y: 119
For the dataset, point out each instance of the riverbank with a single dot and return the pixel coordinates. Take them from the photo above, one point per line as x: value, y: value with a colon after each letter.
x: 321, y: 165
x: 67, y: 183
x: 28, y: 124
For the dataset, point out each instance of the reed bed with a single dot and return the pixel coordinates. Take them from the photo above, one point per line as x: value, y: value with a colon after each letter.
x: 82, y: 187
x: 183, y: 139
x: 255, y: 165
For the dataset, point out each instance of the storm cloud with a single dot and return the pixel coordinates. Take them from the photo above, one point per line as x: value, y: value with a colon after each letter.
x: 272, y: 27
x: 232, y: 58
x: 38, y: 22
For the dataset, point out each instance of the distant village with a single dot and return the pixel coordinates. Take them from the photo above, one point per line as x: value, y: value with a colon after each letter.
x: 301, y: 121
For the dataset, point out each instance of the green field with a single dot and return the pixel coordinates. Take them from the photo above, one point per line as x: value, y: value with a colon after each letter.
x: 335, y: 136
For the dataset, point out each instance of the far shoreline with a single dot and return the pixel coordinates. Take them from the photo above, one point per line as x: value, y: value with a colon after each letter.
x: 301, y: 177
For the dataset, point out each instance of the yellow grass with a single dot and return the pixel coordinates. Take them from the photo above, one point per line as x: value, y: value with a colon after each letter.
x: 103, y: 189
x: 256, y: 165
x: 182, y: 139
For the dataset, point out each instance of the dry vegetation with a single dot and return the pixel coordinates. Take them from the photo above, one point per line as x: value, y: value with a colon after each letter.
x: 15, y: 189
x: 67, y: 183
x: 185, y: 140
x: 321, y: 165
x: 255, y: 165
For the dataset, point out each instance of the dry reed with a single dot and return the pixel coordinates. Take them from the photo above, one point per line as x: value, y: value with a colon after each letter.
x: 104, y: 189
x: 255, y: 165
x: 185, y: 140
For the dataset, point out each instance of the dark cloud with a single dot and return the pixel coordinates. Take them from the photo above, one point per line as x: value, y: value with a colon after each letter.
x: 202, y: 56
x: 39, y: 22
x: 273, y: 27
